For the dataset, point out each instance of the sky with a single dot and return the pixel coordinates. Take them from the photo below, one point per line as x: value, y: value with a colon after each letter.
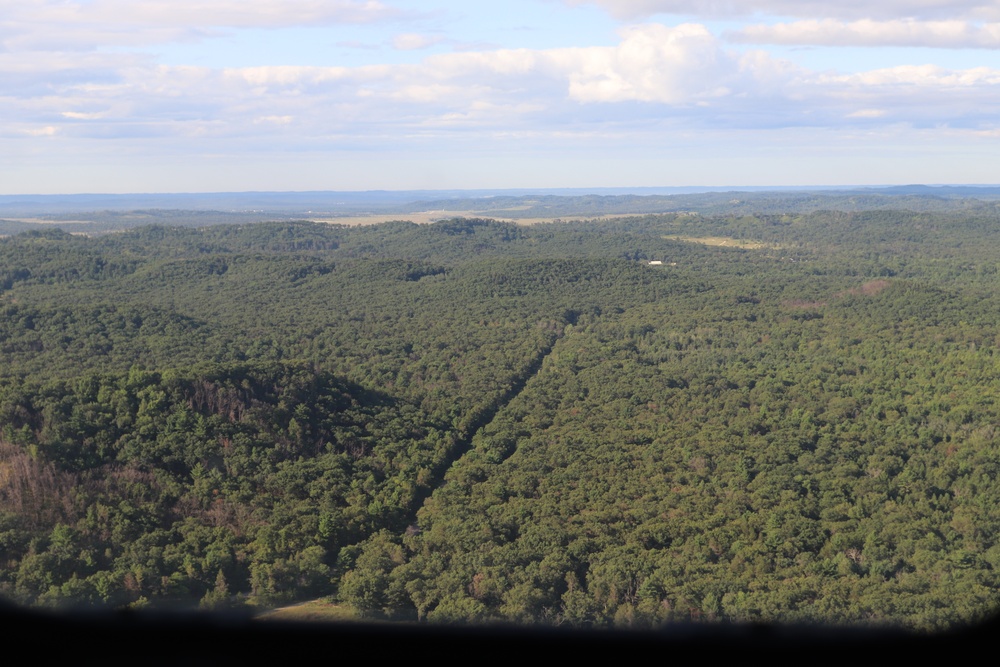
x: 122, y: 96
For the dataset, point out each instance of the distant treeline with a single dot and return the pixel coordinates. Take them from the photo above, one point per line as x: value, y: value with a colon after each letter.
x: 94, y: 214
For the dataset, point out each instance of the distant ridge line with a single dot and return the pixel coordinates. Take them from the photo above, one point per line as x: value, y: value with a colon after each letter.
x: 376, y: 200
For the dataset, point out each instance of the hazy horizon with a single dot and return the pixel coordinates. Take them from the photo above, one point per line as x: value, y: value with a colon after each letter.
x: 482, y: 192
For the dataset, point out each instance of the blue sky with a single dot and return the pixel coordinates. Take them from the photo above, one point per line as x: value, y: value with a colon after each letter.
x: 233, y: 95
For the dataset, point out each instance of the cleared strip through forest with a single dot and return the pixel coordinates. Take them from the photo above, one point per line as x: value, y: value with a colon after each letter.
x: 480, y: 419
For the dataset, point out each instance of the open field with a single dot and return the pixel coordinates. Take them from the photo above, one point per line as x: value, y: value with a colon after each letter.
x: 723, y: 241
x: 321, y: 610
x: 427, y: 217
x: 422, y: 218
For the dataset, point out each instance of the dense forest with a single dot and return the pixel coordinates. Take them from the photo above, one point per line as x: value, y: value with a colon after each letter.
x: 791, y: 416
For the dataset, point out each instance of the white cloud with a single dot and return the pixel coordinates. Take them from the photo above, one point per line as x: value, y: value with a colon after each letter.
x: 830, y: 32
x: 414, y: 41
x: 485, y: 113
x: 867, y: 113
x: 921, y: 76
x: 275, y: 120
x: 186, y: 13
x: 64, y: 25
x: 843, y: 9
x: 81, y: 115
x: 924, y: 96
x: 46, y: 131
x: 679, y: 66
x: 284, y: 76
x: 429, y: 93
x: 653, y: 63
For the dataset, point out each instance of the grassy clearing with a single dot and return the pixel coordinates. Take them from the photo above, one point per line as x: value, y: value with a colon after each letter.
x: 321, y: 610
x: 427, y: 217
x: 423, y: 218
x: 723, y: 241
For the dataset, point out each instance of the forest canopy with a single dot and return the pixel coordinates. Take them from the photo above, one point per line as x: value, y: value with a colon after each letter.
x: 791, y: 416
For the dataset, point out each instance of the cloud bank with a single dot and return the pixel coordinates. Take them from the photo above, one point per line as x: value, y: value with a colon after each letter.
x: 830, y: 32
x: 72, y: 86
x: 655, y: 73
x: 78, y: 24
x: 843, y: 9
